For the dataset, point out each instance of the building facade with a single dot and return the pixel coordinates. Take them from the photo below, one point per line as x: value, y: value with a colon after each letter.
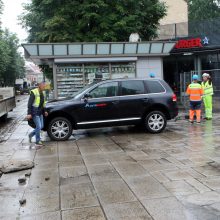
x: 196, y: 53
x: 176, y: 20
x: 77, y: 64
x: 197, y: 48
x: 33, y: 73
x: 177, y: 12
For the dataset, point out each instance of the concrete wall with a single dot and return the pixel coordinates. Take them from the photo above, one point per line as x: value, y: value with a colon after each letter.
x: 148, y: 65
x: 177, y: 12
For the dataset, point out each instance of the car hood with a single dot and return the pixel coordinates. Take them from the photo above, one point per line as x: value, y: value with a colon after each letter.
x: 56, y: 102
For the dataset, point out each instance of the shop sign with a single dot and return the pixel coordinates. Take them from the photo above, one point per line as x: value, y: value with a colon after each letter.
x: 190, y: 43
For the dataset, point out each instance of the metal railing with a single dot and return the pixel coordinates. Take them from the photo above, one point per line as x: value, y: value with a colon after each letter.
x: 175, y: 31
x: 186, y: 79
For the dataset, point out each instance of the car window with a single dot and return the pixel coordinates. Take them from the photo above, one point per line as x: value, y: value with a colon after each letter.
x: 75, y: 95
x: 154, y: 87
x: 132, y: 87
x: 105, y: 90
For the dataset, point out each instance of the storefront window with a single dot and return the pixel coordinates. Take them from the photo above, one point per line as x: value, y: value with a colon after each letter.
x: 73, y: 77
x: 96, y: 72
x: 211, y: 64
x: 123, y: 70
x: 69, y: 79
x: 210, y: 61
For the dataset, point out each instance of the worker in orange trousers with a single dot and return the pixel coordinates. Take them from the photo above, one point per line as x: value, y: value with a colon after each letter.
x: 195, y: 93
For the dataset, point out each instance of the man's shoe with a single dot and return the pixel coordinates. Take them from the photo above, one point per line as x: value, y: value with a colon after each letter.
x: 198, y: 122
x: 191, y: 121
x: 39, y: 143
x: 30, y: 138
x: 207, y: 118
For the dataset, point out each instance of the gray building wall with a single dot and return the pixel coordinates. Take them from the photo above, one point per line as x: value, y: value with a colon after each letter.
x: 177, y: 12
x: 147, y: 65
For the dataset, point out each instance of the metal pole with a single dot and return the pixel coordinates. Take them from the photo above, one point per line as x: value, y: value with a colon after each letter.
x: 110, y: 70
x: 84, y: 75
x: 175, y: 28
x: 55, y: 81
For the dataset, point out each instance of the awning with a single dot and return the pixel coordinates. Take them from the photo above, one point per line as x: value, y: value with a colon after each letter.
x: 46, y: 53
x: 94, y: 60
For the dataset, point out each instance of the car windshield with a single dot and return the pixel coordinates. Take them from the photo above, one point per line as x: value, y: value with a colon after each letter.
x: 76, y: 94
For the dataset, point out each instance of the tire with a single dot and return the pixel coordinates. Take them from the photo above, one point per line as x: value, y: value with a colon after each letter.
x: 4, y: 118
x: 155, y: 122
x: 60, y: 129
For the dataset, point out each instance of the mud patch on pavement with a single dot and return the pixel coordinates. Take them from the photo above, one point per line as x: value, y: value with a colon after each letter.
x: 16, y: 165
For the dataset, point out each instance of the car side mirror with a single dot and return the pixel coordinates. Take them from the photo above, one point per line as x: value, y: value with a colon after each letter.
x: 87, y: 96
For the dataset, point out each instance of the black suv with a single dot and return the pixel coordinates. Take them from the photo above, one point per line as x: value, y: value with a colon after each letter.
x: 113, y: 103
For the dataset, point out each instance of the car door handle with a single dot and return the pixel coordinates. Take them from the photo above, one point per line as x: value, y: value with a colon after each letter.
x: 145, y: 99
x: 115, y: 102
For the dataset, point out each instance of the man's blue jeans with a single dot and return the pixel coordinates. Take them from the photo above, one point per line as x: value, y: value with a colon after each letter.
x: 39, y: 122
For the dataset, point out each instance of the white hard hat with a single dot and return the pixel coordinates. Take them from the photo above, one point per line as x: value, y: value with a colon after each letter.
x: 205, y: 75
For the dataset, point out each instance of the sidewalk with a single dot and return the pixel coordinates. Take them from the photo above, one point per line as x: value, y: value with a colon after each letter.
x: 116, y: 174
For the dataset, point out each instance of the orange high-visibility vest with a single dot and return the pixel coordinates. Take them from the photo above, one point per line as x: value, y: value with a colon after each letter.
x: 195, y: 92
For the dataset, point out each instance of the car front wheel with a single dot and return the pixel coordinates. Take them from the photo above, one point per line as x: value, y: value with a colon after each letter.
x: 155, y: 122
x: 60, y: 129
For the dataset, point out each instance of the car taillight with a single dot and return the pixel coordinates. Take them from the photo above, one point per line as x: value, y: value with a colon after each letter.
x: 174, y: 98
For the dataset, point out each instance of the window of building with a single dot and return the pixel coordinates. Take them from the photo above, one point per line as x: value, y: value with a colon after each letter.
x: 132, y: 87
x: 154, y: 87
x: 210, y: 61
x: 105, y: 90
x: 122, y: 70
x: 73, y: 77
x: 69, y: 79
x: 96, y: 72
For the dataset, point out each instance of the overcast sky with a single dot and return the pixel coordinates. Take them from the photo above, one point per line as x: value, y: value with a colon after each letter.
x: 12, y: 9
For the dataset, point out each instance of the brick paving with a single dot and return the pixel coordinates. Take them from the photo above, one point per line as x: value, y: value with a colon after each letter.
x: 117, y: 173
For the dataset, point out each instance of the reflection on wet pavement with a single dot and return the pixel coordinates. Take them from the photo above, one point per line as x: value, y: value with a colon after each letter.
x: 117, y: 173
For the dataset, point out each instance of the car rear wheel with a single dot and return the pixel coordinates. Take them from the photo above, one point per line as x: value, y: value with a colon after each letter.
x: 4, y: 118
x: 155, y: 122
x: 60, y: 129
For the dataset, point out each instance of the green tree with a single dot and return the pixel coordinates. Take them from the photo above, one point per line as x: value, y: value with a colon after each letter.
x: 5, y: 55
x: 47, y: 71
x: 11, y: 61
x: 1, y: 7
x: 91, y: 20
x: 1, y: 12
x: 203, y: 9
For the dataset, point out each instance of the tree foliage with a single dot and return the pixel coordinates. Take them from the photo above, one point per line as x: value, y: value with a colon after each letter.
x: 91, y: 20
x: 203, y: 9
x: 1, y: 7
x: 47, y: 71
x: 11, y: 61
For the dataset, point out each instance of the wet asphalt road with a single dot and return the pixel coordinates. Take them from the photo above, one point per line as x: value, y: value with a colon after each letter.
x: 116, y: 174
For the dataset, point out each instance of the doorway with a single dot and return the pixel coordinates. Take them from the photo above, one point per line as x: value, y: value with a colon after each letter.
x: 173, y: 67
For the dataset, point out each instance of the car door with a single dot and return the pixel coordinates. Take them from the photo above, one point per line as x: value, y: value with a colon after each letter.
x: 133, y: 99
x: 101, y: 106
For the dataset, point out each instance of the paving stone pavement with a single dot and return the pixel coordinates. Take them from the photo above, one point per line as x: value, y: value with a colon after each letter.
x: 116, y: 174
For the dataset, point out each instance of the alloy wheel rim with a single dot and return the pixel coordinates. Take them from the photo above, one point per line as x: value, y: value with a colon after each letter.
x: 60, y: 129
x: 156, y: 122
